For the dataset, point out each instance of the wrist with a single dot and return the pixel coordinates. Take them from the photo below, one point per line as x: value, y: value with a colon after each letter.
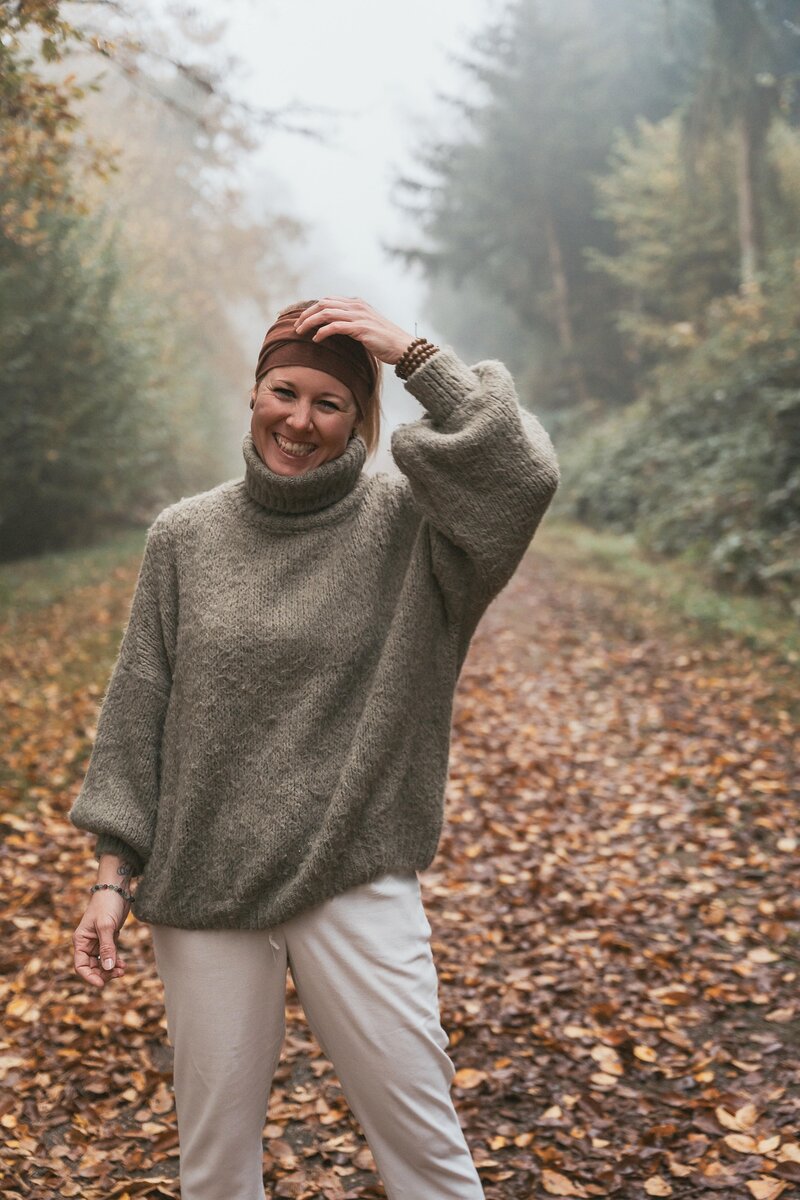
x: 115, y: 868
x: 112, y: 889
x: 399, y: 349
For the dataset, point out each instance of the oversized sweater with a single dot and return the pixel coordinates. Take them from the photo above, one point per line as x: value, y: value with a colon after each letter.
x: 276, y: 728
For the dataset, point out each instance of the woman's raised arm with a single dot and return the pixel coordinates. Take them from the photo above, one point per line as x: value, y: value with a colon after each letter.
x: 482, y: 470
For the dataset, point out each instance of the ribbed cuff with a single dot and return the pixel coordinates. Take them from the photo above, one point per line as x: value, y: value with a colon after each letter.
x: 443, y: 384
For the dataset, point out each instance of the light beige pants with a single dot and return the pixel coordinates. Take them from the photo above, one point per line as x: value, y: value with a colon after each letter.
x: 362, y: 966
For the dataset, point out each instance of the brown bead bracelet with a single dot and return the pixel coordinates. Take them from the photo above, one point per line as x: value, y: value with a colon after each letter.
x: 99, y: 887
x: 415, y: 354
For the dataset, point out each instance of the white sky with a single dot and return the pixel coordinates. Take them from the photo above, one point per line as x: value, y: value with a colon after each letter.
x: 381, y: 65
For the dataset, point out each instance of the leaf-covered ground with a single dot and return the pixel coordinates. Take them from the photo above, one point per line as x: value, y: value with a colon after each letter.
x: 615, y: 910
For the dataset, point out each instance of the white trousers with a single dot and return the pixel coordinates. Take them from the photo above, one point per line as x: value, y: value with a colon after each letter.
x: 363, y: 970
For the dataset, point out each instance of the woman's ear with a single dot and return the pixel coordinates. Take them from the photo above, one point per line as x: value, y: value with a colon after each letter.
x: 253, y: 397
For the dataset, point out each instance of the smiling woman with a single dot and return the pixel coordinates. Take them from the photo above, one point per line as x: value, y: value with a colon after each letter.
x: 320, y: 364
x: 272, y: 750
x: 301, y: 417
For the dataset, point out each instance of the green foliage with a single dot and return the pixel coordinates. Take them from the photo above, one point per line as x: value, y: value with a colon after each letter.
x: 121, y: 295
x: 91, y: 418
x: 629, y: 190
x: 676, y: 247
x: 707, y: 463
x: 511, y: 204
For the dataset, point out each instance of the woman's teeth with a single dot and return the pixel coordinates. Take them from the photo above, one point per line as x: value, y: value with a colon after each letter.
x: 297, y: 449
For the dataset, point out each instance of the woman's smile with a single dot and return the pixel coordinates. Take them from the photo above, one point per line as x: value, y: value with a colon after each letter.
x: 294, y: 449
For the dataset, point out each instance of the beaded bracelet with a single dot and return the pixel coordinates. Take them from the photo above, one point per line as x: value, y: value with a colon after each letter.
x: 419, y: 341
x: 419, y: 357
x: 418, y: 352
x: 98, y: 887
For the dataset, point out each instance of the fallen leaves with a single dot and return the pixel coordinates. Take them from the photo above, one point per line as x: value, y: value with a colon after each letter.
x: 656, y: 1185
x: 556, y: 1184
x: 744, y: 1117
x: 765, y: 1188
x: 615, y: 912
x: 468, y: 1078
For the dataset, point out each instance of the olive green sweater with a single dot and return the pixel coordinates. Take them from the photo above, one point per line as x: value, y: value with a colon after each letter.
x: 277, y: 725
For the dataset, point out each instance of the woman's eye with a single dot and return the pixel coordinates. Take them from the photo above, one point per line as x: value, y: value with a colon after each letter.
x: 286, y: 392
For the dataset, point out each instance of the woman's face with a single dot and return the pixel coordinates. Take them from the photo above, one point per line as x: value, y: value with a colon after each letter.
x: 312, y: 411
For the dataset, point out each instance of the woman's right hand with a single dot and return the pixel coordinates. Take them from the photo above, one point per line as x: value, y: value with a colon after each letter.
x: 95, y: 939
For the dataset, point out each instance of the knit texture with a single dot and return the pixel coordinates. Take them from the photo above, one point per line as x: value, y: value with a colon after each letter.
x: 277, y: 725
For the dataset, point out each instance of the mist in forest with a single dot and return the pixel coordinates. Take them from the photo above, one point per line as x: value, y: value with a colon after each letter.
x: 604, y: 197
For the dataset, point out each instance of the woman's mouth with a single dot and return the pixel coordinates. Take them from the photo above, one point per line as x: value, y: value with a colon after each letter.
x: 294, y: 449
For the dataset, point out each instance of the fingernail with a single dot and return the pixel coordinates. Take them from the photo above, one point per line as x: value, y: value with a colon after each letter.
x: 108, y: 964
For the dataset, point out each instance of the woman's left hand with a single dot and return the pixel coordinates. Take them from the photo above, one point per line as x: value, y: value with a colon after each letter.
x: 354, y: 317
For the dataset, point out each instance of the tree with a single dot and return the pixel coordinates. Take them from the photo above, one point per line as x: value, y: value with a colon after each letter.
x: 675, y: 249
x: 45, y: 153
x: 191, y: 243
x: 753, y: 63
x: 121, y: 295
x: 42, y: 159
x: 707, y: 462
x: 509, y: 201
x: 84, y: 434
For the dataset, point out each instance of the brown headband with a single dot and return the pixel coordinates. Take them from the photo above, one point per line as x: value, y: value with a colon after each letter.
x: 347, y: 359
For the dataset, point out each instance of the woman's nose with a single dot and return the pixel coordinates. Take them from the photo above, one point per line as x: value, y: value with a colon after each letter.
x: 299, y: 417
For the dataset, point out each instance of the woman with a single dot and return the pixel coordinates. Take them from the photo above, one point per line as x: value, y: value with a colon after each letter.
x: 272, y: 750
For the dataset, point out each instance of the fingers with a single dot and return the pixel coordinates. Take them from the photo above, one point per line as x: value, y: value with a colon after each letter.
x: 354, y: 318
x: 108, y: 950
x: 334, y: 327
x: 347, y: 308
x: 88, y: 967
x: 310, y: 320
x: 97, y: 977
x: 97, y: 958
x: 343, y: 303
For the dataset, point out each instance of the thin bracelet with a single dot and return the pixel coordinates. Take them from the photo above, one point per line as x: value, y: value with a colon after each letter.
x: 98, y: 887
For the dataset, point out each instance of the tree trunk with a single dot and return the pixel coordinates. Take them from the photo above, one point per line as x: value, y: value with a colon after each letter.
x: 566, y: 336
x: 749, y: 209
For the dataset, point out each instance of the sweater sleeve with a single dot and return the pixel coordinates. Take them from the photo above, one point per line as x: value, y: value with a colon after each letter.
x: 482, y: 470
x: 119, y: 795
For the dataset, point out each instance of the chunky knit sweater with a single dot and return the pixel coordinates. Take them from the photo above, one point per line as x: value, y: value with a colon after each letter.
x: 276, y: 728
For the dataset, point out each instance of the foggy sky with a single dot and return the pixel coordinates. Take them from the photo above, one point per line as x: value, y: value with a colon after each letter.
x: 382, y: 65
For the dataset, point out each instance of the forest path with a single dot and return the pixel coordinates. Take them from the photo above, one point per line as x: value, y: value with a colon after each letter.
x: 614, y: 906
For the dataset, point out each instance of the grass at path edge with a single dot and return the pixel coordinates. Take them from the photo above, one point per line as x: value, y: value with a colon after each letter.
x: 668, y: 592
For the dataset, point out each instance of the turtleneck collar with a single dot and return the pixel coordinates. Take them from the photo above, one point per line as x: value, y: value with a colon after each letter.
x: 315, y: 489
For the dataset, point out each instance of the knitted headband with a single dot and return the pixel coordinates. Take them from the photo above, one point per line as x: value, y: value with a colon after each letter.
x: 347, y: 359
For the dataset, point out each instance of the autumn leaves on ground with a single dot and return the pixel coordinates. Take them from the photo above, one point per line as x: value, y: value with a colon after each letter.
x: 614, y: 906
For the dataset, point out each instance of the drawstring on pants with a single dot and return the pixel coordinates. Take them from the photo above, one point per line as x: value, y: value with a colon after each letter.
x: 275, y: 945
